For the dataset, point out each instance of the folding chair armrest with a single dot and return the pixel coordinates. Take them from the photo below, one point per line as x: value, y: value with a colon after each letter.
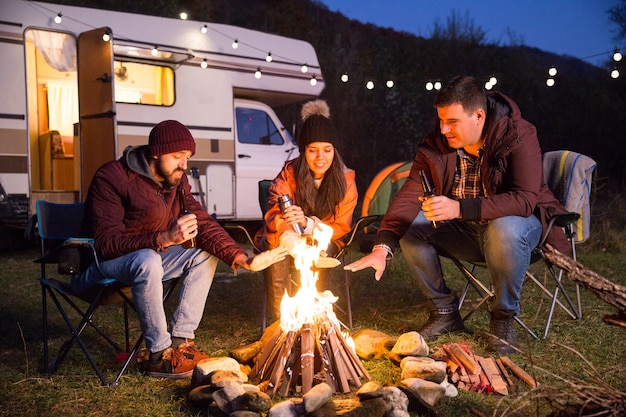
x: 360, y: 224
x: 560, y: 220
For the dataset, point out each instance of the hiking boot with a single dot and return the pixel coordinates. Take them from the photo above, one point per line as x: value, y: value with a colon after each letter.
x: 442, y: 322
x: 502, y: 337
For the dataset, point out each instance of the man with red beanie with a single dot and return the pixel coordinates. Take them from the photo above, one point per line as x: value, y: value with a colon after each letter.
x: 133, y: 211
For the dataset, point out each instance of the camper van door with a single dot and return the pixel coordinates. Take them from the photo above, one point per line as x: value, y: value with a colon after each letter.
x: 262, y: 147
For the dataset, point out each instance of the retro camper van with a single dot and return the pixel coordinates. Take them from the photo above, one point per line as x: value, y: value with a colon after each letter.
x: 79, y: 85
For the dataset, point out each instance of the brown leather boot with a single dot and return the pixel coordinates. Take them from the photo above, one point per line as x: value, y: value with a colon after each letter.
x: 277, y: 281
x: 502, y: 337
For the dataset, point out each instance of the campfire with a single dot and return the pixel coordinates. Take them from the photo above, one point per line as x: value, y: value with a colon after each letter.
x: 308, y: 346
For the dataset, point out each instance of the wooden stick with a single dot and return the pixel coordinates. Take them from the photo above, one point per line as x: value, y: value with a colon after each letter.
x: 340, y: 367
x: 505, y: 373
x: 491, y: 371
x: 279, y: 369
x: 467, y: 361
x: 306, y: 357
x: 519, y: 372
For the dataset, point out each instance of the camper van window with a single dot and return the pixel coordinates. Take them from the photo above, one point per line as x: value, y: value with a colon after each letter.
x: 144, y: 84
x: 256, y: 127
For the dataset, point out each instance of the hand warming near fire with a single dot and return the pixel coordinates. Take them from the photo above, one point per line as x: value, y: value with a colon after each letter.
x: 315, y: 190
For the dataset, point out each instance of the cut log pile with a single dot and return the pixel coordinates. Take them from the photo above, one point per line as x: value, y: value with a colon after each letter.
x: 476, y: 373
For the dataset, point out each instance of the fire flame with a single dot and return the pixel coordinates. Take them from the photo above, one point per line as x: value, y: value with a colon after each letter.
x: 308, y: 306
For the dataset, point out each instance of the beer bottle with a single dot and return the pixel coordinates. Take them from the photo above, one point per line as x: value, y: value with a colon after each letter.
x: 429, y: 191
x: 184, y: 209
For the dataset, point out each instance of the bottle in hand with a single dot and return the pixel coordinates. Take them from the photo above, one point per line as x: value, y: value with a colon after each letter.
x: 429, y: 191
x: 184, y: 209
x: 284, y: 201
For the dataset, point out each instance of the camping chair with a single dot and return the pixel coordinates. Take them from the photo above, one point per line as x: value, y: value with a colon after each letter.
x: 343, y: 254
x: 569, y: 176
x: 57, y: 226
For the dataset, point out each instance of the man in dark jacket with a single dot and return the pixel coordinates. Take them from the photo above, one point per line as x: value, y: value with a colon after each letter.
x: 133, y: 211
x: 492, y: 205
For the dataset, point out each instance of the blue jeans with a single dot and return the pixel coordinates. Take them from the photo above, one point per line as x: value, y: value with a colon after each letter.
x: 504, y: 244
x: 145, y: 271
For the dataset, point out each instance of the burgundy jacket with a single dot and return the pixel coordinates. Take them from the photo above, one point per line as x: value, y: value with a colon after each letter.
x: 127, y: 207
x: 512, y: 176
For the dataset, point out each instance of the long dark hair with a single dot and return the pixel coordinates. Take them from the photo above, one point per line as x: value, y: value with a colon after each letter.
x: 320, y: 202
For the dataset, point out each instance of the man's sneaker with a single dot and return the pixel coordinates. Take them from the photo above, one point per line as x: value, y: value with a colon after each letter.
x: 174, y: 364
x: 189, y: 349
x: 442, y: 322
x: 502, y: 337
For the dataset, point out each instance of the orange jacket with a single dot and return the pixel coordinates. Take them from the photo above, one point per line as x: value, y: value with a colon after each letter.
x: 285, y: 183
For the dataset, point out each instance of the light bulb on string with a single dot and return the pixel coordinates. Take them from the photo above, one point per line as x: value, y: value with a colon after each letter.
x: 268, y: 58
x: 257, y: 73
x: 106, y: 36
x: 344, y: 77
x: 370, y: 85
x: 58, y: 18
x: 550, y: 82
x: 493, y: 81
x: 429, y: 86
x: 552, y: 71
x: 304, y: 68
x: 313, y: 80
x: 154, y: 51
x: 203, y: 29
x: 617, y: 55
x: 488, y: 86
x: 389, y: 83
x: 235, y: 44
x: 615, y: 73
x: 183, y: 15
x: 437, y: 85
x: 204, y: 64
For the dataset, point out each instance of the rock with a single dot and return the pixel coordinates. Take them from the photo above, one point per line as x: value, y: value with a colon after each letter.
x: 396, y: 401
x: 250, y: 387
x: 285, y: 408
x: 317, y: 396
x: 245, y: 354
x: 451, y: 389
x: 372, y: 344
x: 369, y: 390
x: 201, y: 396
x: 327, y: 410
x: 218, y: 378
x: 425, y: 368
x: 355, y: 408
x: 227, y: 397
x: 428, y: 391
x: 244, y: 413
x: 410, y: 344
x: 206, y: 366
x: 256, y: 401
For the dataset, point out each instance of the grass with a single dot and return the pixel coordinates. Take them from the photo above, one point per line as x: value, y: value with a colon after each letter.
x: 586, y: 352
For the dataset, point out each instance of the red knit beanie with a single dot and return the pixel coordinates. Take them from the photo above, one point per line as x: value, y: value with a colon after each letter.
x: 170, y: 136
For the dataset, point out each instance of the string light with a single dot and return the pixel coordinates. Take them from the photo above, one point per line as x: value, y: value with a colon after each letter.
x: 183, y: 15
x: 550, y: 82
x: 615, y: 73
x: 344, y: 77
x: 268, y: 58
x: 106, y: 36
x: 370, y: 85
x: 204, y: 29
x: 204, y: 64
x: 304, y: 68
x: 617, y: 56
x: 235, y: 44
x: 313, y: 80
x: 154, y: 51
x: 257, y: 73
x: 390, y: 84
x: 58, y: 18
x: 552, y: 71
